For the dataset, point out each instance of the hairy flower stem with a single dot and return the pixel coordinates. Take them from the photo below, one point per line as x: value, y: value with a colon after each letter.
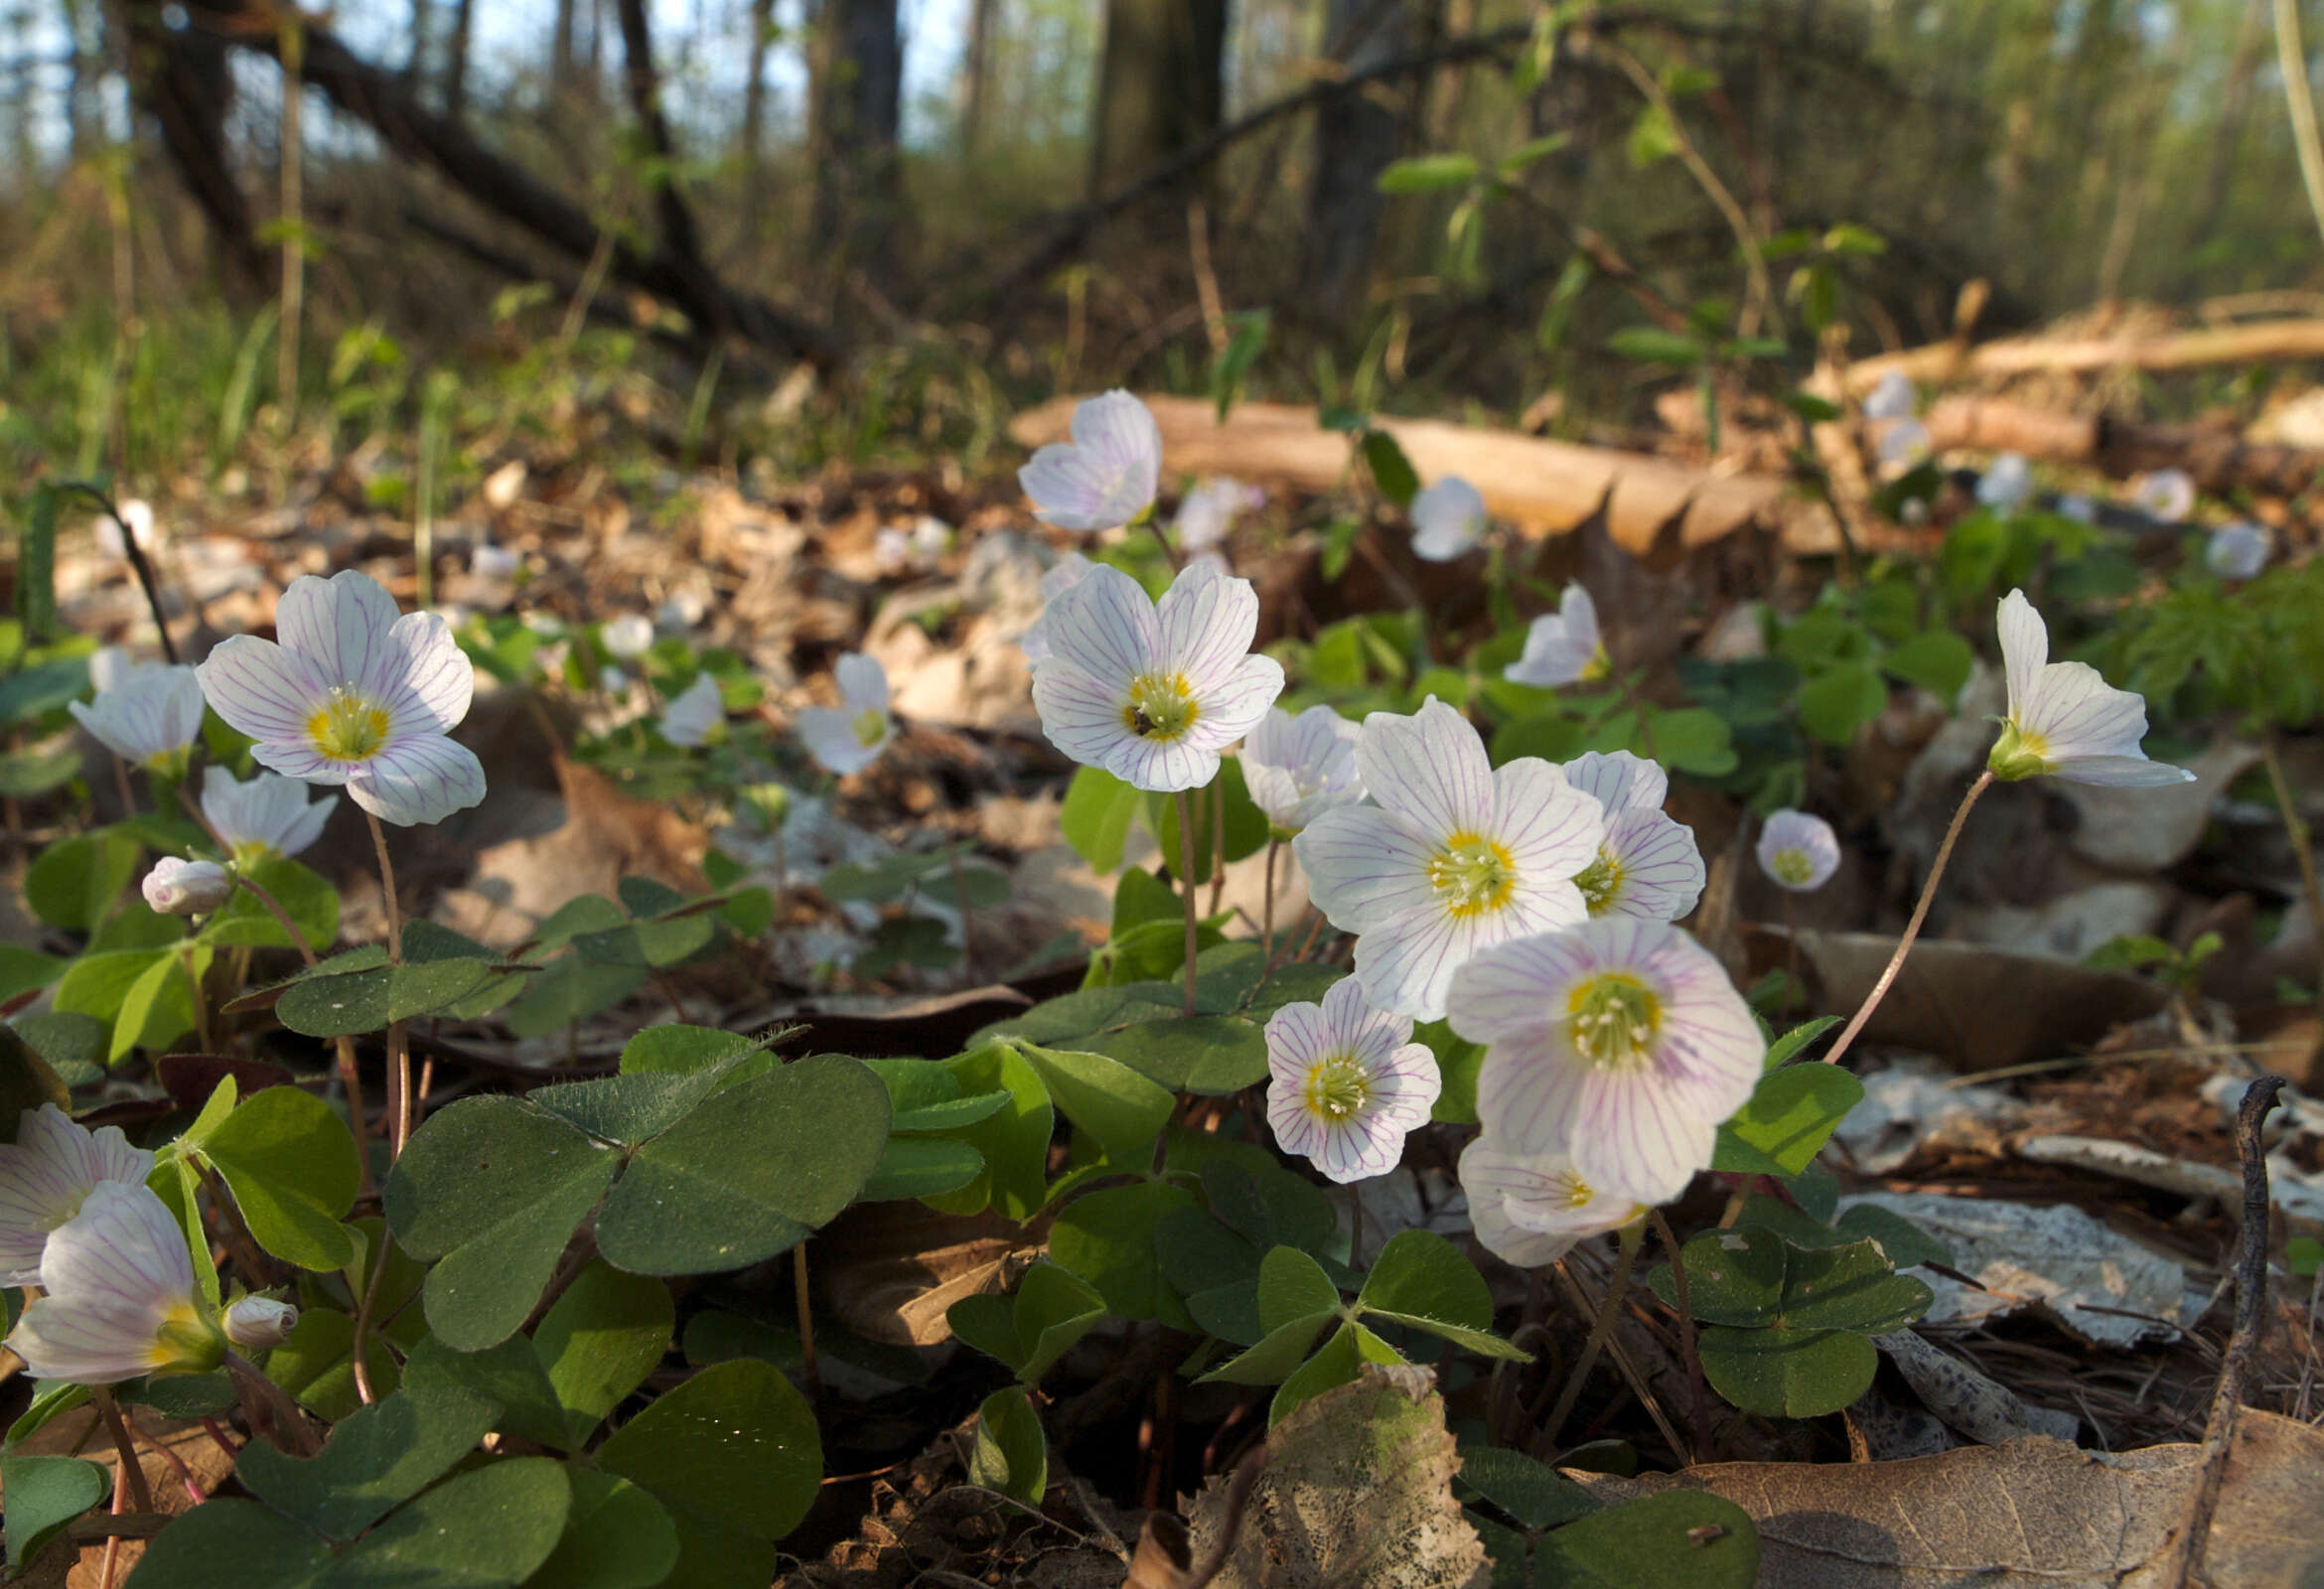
x: 1626, y: 1244
x: 125, y: 1448
x: 2295, y: 828
x: 1187, y: 883
x: 349, y: 1077
x: 1912, y: 929
x: 806, y: 1322
x: 398, y: 1047
x: 1268, y: 910
x: 268, y: 1408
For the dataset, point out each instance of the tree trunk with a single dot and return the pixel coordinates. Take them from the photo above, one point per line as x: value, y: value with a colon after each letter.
x: 415, y: 64
x: 857, y: 65
x: 179, y: 76
x: 974, y: 64
x: 1357, y: 135
x: 456, y: 59
x: 1161, y: 83
x: 561, y: 52
x: 754, y: 120
x: 2235, y: 113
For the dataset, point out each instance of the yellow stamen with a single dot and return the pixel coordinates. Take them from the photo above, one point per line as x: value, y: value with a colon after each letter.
x: 1160, y: 707
x: 1336, y: 1088
x: 1472, y: 875
x: 870, y: 727
x: 1612, y: 1019
x: 347, y: 728
x: 1600, y: 882
x: 1791, y: 866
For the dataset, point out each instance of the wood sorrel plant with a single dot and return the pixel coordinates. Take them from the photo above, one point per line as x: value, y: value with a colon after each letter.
x: 485, y: 1371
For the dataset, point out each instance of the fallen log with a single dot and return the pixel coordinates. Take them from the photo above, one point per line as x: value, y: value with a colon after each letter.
x: 1543, y: 488
x: 2272, y: 340
x: 2215, y: 458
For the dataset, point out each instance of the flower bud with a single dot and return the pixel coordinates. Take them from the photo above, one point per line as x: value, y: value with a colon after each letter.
x: 187, y: 888
x: 256, y: 1323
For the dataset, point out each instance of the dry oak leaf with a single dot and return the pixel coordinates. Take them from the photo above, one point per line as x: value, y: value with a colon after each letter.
x: 2033, y: 1514
x: 1357, y: 1490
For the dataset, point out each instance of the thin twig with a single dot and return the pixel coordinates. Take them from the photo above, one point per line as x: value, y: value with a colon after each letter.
x: 1238, y: 1487
x: 1628, y: 1241
x: 124, y: 1449
x: 2250, y: 1303
x: 137, y: 564
x: 1912, y: 928
x: 806, y: 1322
x: 1686, y: 1343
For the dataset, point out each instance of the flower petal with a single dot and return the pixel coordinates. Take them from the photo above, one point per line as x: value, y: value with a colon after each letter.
x: 1105, y: 627
x: 2121, y: 772
x: 1407, y: 963
x: 1660, y: 865
x: 863, y: 682
x: 424, y: 680
x: 1363, y: 867
x: 1617, y: 779
x: 339, y: 626
x: 829, y: 737
x: 418, y: 782
x: 262, y: 691
x: 2025, y: 648
x: 1429, y: 768
x: 1237, y: 704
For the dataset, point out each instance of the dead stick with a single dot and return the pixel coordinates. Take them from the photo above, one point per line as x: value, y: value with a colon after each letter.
x: 2251, y: 1302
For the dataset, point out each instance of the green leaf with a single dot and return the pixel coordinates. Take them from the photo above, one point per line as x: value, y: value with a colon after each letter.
x: 2303, y: 1254
x: 1655, y: 345
x: 571, y: 989
x: 1536, y: 1495
x: 1052, y: 1309
x: 42, y: 688
x: 374, y: 1459
x: 1788, y: 1373
x: 74, y: 881
x: 369, y: 1001
x: 1391, y: 469
x: 1905, y: 1242
x: 1278, y: 1356
x: 36, y: 576
x: 1937, y: 660
x: 488, y: 1528
x: 1786, y: 1048
x: 1123, y: 1111
x: 1108, y: 1239
x: 1682, y: 1537
x: 290, y: 1162
x: 306, y: 897
x: 1334, y: 1365
x: 735, y: 1456
x: 617, y: 1536
x: 1428, y: 173
x: 227, y: 1541
x: 27, y: 775
x: 316, y: 1363
x: 1247, y: 340
x: 1013, y: 1141
x: 509, y: 1376
x: 1851, y: 1287
x: 1693, y: 740
x: 681, y: 1049
x: 1210, y: 1054
x: 1733, y: 1277
x: 490, y: 1190
x: 1011, y: 1454
x: 636, y: 1107
x: 1788, y: 1117
x: 922, y: 1167
x: 1422, y: 1280
x: 44, y: 1494
x: 601, y: 1339
x: 1291, y: 1286
x: 1833, y: 705
x: 1097, y: 816
x: 27, y: 1080
x: 751, y: 1174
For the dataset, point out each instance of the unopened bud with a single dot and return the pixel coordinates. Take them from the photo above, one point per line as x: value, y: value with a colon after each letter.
x: 177, y: 887
x: 256, y: 1323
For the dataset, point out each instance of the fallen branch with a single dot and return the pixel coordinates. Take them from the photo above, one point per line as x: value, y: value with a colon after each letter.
x: 2216, y: 459
x: 385, y: 102
x: 1544, y: 488
x: 2272, y: 341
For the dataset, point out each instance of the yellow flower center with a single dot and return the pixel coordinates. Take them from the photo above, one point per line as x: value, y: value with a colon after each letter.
x: 1612, y: 1019
x: 1337, y: 1087
x: 186, y: 1343
x: 347, y: 728
x: 1795, y: 867
x: 870, y: 727
x: 1160, y: 707
x: 2019, y: 753
x: 1472, y: 875
x: 1600, y: 882
x: 250, y: 852
x: 1576, y: 1194
x: 1600, y: 665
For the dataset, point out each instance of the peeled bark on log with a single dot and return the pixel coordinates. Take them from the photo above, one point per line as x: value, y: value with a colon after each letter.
x: 2271, y: 340
x: 1544, y: 488
x: 2216, y: 459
